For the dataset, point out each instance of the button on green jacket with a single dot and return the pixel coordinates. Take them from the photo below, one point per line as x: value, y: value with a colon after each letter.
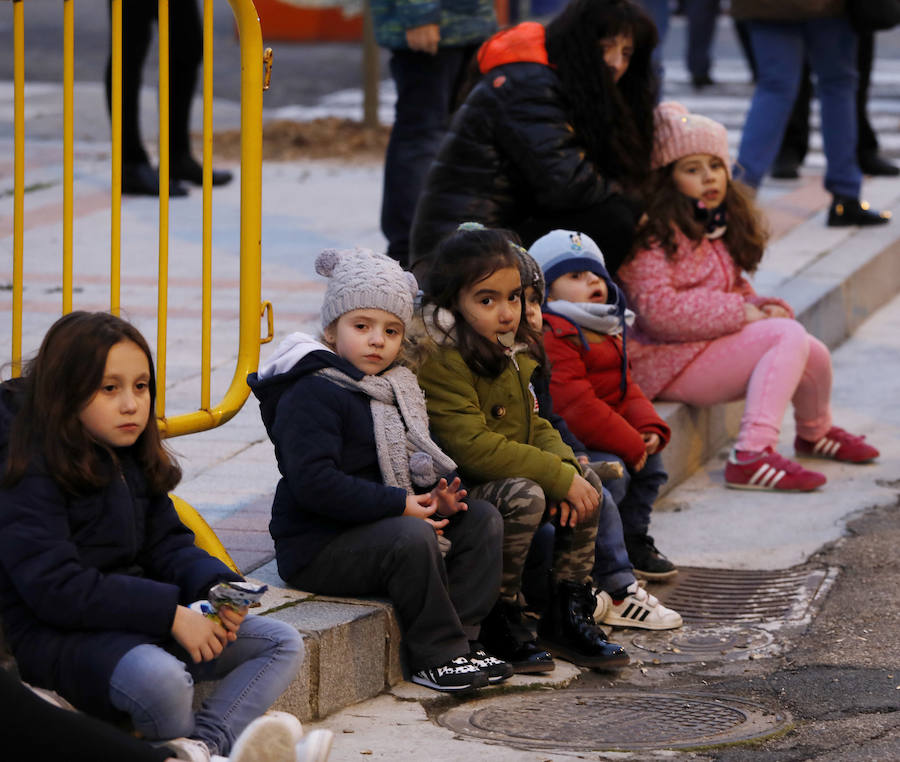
x: 490, y: 427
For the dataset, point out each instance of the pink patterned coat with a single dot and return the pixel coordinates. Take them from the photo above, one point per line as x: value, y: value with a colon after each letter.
x: 682, y: 303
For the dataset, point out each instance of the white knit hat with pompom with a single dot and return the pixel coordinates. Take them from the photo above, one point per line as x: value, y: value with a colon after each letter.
x: 362, y: 279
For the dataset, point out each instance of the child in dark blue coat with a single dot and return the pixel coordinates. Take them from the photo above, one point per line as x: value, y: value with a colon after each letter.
x: 363, y: 507
x: 96, y: 570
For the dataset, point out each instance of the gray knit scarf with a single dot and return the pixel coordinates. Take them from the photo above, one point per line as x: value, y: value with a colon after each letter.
x: 399, y: 416
x: 601, y: 318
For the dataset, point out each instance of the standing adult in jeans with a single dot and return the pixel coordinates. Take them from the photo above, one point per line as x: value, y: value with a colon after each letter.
x: 431, y: 44
x: 782, y: 37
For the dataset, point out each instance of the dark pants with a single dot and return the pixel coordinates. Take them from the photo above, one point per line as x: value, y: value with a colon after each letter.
x: 440, y: 602
x: 426, y: 94
x: 185, y: 56
x: 35, y: 730
x: 701, y: 18
x: 636, y: 491
x: 795, y: 143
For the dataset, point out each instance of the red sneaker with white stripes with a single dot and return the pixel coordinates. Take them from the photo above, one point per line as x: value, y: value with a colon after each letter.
x: 768, y: 470
x: 837, y: 444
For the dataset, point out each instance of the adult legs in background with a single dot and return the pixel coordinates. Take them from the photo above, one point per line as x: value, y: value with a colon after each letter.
x: 701, y: 17
x: 778, y: 50
x: 426, y: 91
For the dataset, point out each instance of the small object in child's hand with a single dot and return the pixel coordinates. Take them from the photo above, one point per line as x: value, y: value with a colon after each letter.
x: 235, y: 595
x: 607, y: 469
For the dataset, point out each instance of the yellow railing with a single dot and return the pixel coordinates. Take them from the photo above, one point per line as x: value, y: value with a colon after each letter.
x: 251, y: 308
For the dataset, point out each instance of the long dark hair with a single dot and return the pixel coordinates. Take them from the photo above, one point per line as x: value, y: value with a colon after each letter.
x: 613, y: 121
x: 461, y: 259
x: 669, y: 209
x: 56, y: 386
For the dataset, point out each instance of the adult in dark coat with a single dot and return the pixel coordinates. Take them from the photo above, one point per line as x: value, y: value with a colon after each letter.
x: 557, y: 133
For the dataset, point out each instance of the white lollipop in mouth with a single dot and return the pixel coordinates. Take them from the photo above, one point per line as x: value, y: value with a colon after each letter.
x: 507, y: 339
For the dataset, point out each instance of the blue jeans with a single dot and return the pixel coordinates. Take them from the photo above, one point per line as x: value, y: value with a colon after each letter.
x: 156, y: 687
x: 635, y: 492
x: 779, y: 49
x: 426, y: 90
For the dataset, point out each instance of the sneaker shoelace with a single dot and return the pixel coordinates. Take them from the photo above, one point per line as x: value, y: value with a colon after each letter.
x: 775, y: 460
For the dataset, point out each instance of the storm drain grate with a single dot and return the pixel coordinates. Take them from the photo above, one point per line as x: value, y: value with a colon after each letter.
x: 734, y: 595
x: 718, y: 642
x: 614, y: 720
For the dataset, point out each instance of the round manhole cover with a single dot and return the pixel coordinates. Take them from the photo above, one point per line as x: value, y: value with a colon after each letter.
x: 690, y: 644
x: 614, y: 720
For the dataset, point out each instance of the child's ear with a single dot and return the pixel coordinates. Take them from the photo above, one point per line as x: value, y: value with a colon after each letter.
x: 329, y: 333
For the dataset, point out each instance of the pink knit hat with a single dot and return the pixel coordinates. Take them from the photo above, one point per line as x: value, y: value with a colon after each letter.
x: 678, y: 133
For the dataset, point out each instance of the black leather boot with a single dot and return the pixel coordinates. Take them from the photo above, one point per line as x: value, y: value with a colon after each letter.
x: 186, y: 168
x: 567, y: 629
x: 846, y: 211
x: 504, y: 634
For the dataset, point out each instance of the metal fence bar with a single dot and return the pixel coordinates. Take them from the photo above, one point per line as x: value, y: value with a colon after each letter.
x: 68, y: 150
x: 164, y: 161
x: 18, y: 179
x: 206, y: 302
x: 115, y: 228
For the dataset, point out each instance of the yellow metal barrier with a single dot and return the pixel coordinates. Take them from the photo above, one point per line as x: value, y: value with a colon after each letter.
x: 251, y: 308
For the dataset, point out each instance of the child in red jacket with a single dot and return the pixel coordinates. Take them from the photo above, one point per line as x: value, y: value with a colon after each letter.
x: 586, y: 318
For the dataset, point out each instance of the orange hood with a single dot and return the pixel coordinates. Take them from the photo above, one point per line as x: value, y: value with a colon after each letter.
x: 523, y: 43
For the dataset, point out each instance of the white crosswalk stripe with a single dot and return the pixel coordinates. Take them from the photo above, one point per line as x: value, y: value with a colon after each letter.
x: 726, y: 102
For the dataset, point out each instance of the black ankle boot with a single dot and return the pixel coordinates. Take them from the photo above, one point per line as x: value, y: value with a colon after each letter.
x: 567, y: 629
x: 504, y: 634
x: 186, y: 167
x: 846, y: 211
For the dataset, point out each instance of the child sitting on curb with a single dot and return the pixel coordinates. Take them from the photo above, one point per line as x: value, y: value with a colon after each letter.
x: 621, y: 601
x: 351, y: 439
x: 586, y: 321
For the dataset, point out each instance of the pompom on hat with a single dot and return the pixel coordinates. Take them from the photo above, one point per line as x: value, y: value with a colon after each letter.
x: 679, y: 133
x: 362, y: 279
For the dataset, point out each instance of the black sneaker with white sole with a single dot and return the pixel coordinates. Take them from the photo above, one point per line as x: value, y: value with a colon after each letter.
x: 496, y: 669
x: 458, y: 674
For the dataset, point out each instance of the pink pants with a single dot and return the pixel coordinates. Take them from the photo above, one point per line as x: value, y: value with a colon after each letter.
x: 770, y: 362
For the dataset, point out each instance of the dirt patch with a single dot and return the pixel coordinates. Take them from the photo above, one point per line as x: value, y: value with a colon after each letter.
x: 326, y: 138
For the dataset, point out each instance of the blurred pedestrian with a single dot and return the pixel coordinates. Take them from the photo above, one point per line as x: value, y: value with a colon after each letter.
x: 796, y: 137
x: 701, y: 28
x: 186, y: 54
x: 432, y: 43
x: 782, y: 35
x: 557, y: 133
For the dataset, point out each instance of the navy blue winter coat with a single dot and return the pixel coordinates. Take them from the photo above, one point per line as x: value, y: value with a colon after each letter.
x: 83, y: 580
x: 325, y: 446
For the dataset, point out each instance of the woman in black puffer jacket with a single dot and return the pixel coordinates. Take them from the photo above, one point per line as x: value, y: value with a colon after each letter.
x: 556, y: 134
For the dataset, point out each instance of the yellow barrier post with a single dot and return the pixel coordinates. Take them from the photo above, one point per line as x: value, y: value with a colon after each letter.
x: 18, y: 179
x: 115, y: 230
x: 68, y: 149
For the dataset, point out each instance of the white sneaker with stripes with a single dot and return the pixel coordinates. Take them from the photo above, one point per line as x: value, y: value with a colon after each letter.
x: 638, y: 609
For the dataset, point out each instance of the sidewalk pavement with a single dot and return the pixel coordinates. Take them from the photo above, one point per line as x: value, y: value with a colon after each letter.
x: 834, y: 277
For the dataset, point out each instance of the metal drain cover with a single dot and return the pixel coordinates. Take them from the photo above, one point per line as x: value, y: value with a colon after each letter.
x: 697, y: 643
x: 741, y: 595
x: 613, y: 720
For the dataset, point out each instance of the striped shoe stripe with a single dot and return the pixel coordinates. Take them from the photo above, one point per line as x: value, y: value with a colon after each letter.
x: 635, y: 612
x: 766, y: 476
x: 827, y: 447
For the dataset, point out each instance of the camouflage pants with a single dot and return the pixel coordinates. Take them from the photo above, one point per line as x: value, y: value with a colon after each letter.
x: 522, y: 504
